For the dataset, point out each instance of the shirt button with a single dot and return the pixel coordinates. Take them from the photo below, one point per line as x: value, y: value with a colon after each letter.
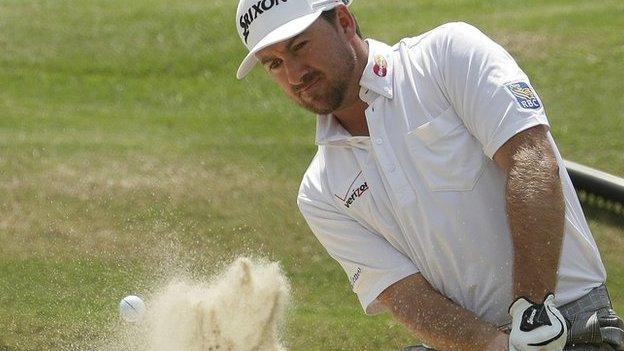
x: 379, y: 141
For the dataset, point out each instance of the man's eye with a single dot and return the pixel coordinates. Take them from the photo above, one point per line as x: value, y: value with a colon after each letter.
x: 300, y: 46
x: 275, y: 64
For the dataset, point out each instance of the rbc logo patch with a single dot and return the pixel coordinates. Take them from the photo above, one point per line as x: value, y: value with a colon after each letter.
x: 524, y: 94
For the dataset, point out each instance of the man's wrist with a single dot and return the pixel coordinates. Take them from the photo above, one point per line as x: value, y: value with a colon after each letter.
x: 534, y: 292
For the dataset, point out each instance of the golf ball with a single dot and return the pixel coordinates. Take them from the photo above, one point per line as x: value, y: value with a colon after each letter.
x: 131, y: 308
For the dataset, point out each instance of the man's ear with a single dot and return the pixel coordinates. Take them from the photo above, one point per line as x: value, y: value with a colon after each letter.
x: 345, y: 21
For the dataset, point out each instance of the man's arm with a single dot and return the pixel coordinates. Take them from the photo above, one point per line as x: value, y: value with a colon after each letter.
x: 535, y: 210
x: 438, y: 321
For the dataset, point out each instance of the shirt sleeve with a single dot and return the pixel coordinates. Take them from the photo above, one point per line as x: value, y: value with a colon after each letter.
x: 486, y: 87
x: 370, y: 262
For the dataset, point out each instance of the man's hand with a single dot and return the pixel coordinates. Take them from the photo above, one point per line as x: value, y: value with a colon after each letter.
x: 612, y: 330
x: 537, y: 327
x: 500, y: 343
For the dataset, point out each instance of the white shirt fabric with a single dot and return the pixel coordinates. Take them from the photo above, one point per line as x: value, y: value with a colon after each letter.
x: 422, y: 194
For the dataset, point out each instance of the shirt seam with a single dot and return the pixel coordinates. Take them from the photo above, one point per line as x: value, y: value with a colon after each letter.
x: 382, y: 284
x: 501, y: 138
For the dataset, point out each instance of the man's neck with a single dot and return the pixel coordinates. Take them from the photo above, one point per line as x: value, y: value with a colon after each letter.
x: 352, y: 117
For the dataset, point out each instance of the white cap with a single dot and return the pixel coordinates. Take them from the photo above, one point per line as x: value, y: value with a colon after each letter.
x: 262, y: 23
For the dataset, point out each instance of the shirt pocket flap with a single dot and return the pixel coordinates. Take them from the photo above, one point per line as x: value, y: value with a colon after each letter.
x: 440, y: 126
x: 447, y: 156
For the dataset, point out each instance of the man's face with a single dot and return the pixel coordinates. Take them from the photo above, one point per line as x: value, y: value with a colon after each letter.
x: 315, y: 68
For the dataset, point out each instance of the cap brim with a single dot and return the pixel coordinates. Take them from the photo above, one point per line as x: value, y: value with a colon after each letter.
x: 286, y: 31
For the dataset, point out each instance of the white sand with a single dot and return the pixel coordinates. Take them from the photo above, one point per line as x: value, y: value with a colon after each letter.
x: 240, y: 310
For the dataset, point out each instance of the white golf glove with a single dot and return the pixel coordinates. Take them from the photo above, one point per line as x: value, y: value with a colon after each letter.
x: 537, y: 327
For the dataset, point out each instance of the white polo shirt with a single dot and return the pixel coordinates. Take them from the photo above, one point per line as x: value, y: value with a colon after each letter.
x: 422, y: 194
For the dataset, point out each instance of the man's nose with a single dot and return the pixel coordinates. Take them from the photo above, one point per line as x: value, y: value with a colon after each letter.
x: 295, y: 70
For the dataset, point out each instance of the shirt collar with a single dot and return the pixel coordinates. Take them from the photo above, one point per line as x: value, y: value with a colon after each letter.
x: 378, y: 76
x: 377, y: 80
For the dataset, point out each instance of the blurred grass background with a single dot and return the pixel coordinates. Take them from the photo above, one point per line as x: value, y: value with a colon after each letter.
x: 129, y: 151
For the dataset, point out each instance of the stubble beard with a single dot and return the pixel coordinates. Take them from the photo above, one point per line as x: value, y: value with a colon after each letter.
x: 332, y: 98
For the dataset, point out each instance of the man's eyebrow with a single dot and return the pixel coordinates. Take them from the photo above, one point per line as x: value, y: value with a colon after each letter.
x: 264, y: 60
x: 289, y: 44
x: 292, y: 40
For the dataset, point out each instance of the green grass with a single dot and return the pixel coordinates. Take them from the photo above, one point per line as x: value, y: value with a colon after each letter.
x: 128, y: 151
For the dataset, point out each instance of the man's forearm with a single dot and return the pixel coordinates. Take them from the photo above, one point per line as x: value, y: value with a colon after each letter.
x: 536, y: 213
x: 438, y: 321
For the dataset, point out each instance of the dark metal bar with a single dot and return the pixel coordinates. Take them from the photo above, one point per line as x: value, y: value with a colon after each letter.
x: 596, y: 182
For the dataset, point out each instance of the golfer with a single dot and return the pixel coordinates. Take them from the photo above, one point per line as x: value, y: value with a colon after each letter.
x: 437, y: 185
